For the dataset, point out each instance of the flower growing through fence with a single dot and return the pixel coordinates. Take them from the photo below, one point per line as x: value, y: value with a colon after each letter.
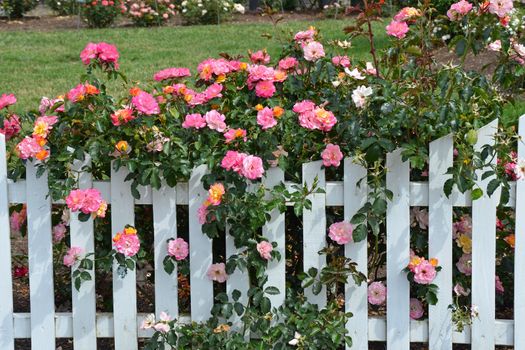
x: 422, y: 273
x: 178, y: 251
x: 217, y: 272
x: 88, y: 201
x: 341, y: 232
x: 376, y: 293
x: 127, y: 242
x: 416, y: 309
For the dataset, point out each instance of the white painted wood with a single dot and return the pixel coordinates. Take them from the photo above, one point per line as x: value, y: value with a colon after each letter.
x: 440, y: 242
x: 398, y: 252
x: 314, y: 228
x: 201, y: 255
x: 519, y: 256
x: 84, y: 300
x: 165, y: 226
x: 484, y: 253
x: 238, y: 280
x: 124, y: 289
x: 40, y: 251
x: 356, y: 300
x: 274, y: 232
x: 6, y: 279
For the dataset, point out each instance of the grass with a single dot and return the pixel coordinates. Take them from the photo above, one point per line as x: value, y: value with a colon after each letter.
x: 36, y: 64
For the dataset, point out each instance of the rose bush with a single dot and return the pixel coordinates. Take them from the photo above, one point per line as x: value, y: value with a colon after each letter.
x: 242, y: 116
x: 102, y: 13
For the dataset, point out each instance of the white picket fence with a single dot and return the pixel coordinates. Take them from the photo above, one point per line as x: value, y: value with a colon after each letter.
x: 43, y: 325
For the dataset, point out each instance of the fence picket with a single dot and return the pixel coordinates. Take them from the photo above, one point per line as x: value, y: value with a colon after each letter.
x: 165, y: 227
x: 519, y: 251
x: 440, y: 242
x: 314, y: 228
x: 40, y: 251
x: 484, y: 253
x: 200, y: 251
x: 124, y: 289
x: 6, y: 281
x: 238, y: 280
x: 274, y: 232
x: 356, y: 296
x: 84, y: 300
x: 398, y: 252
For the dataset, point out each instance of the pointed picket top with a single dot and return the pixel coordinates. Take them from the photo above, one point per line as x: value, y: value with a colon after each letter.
x: 440, y: 241
x: 484, y: 251
x: 519, y: 255
x: 7, y: 341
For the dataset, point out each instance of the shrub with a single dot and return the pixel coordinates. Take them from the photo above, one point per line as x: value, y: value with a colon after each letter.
x: 102, y: 13
x: 17, y: 8
x: 64, y: 7
x: 150, y: 12
x: 208, y: 11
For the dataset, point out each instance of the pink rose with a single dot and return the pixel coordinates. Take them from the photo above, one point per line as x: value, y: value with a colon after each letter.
x: 458, y: 10
x: 72, y: 255
x: 265, y: 249
x: 265, y: 118
x: 288, y: 63
x: 341, y: 232
x: 499, y: 286
x: 252, y: 167
x: 213, y: 91
x: 501, y: 8
x: 424, y: 272
x: 260, y: 57
x: 264, y: 89
x: 178, y: 248
x: 233, y: 160
x: 171, y: 73
x: 376, y: 293
x: 145, y: 103
x: 194, y: 120
x: 234, y: 134
x: 7, y: 100
x: 313, y: 51
x: 127, y: 244
x: 416, y: 309
x: 59, y: 232
x: 217, y: 272
x: 332, y: 155
x: 11, y: 126
x: 342, y: 61
x: 397, y: 29
x: 303, y: 106
x: 215, y: 120
x: 28, y: 148
x: 464, y: 264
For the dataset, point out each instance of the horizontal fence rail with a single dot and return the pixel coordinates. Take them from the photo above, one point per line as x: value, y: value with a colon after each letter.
x: 43, y: 325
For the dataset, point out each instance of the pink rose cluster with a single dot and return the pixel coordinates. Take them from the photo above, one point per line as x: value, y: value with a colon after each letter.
x: 263, y: 79
x: 341, y: 232
x: 105, y: 54
x: 260, y: 57
x: 342, y: 61
x: 332, y: 155
x: 17, y: 219
x: 140, y: 9
x: 127, y: 242
x: 376, y: 293
x: 314, y: 117
x: 305, y: 37
x: 7, y: 100
x: 162, y: 326
x: 248, y: 166
x: 11, y: 126
x: 211, y: 68
x: 217, y: 272
x: 33, y: 146
x: 88, y: 201
x: 397, y: 29
x: 47, y: 104
x: 459, y: 10
x: 424, y: 270
x: 172, y: 74
x: 265, y: 249
x: 178, y: 248
x: 72, y: 255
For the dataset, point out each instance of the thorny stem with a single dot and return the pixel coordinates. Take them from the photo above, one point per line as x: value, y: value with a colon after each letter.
x: 371, y: 37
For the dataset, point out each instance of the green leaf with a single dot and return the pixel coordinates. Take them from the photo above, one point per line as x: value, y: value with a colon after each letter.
x: 476, y: 194
x: 493, y: 186
x: 272, y: 290
x: 360, y: 233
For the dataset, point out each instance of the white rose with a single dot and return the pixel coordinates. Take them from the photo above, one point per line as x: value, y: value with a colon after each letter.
x: 239, y: 8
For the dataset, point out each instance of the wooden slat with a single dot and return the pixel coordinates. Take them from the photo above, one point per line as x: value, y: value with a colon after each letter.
x: 274, y: 231
x: 165, y: 226
x: 398, y: 253
x: 314, y: 228
x: 440, y: 242
x: 484, y: 253
x: 40, y: 251
x: 200, y: 251
x: 84, y: 300
x: 356, y: 296
x: 124, y: 289
x: 238, y: 280
x: 6, y: 279
x: 519, y: 252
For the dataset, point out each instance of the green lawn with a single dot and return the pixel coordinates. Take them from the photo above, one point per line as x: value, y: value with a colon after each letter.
x: 36, y: 64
